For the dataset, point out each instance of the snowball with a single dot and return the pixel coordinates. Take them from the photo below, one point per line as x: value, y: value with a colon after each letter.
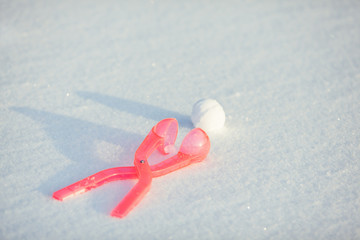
x: 208, y: 115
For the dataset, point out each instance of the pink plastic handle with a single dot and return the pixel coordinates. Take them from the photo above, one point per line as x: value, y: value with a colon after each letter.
x: 151, y: 142
x: 195, y: 147
x: 164, y: 131
x: 161, y: 135
x: 95, y: 180
x: 137, y: 193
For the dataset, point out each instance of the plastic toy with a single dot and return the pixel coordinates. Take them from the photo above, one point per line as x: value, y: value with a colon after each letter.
x: 194, y: 148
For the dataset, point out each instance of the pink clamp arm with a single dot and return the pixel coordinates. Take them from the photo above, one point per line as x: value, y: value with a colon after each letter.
x: 165, y: 130
x: 137, y: 193
x: 95, y: 180
x: 161, y: 135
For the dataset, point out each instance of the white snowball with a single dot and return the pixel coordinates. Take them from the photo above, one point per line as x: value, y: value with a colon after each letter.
x: 208, y: 115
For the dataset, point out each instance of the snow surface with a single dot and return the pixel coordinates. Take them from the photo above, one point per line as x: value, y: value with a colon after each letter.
x: 82, y: 83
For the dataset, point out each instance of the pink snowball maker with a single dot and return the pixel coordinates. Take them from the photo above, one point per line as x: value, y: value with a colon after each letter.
x: 194, y: 148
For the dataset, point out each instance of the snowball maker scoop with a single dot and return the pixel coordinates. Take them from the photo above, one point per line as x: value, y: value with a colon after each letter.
x: 194, y: 148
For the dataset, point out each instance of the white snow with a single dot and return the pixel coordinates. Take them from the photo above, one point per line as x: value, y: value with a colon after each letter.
x: 82, y: 83
x: 208, y: 114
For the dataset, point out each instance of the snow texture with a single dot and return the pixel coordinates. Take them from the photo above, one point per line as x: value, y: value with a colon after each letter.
x: 82, y: 83
x: 208, y: 114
